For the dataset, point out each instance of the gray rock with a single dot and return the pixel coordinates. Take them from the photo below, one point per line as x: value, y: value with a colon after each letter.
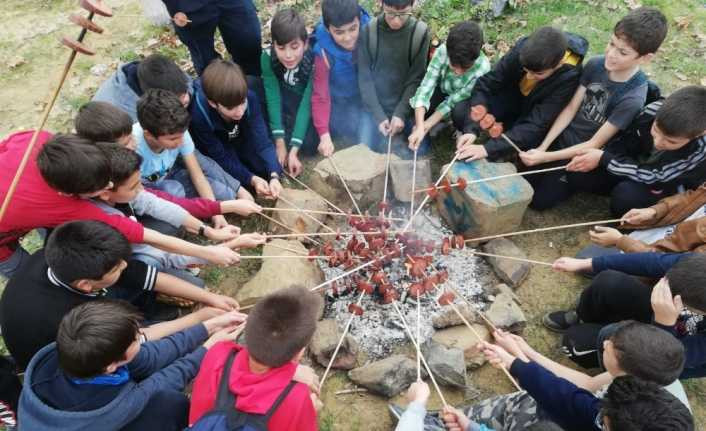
x: 324, y: 343
x: 401, y: 173
x: 447, y: 316
x: 388, y: 377
x: 303, y: 199
x: 485, y: 208
x: 447, y: 363
x: 460, y: 337
x: 505, y: 313
x: 512, y: 272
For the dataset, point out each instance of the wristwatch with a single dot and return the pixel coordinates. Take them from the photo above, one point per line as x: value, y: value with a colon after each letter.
x: 274, y: 176
x: 202, y: 229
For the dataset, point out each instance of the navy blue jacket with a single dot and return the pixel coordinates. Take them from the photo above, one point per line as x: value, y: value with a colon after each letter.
x: 250, y: 153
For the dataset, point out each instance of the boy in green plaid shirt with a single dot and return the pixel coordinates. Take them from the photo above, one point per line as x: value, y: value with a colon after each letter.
x: 450, y: 77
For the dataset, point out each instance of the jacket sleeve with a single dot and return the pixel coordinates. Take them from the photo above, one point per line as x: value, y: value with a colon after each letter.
x: 653, y: 265
x: 155, y: 355
x: 198, y: 207
x: 366, y: 82
x: 687, y: 236
x: 321, y: 96
x: 694, y: 346
x: 678, y: 202
x: 414, y: 78
x: 273, y: 98
x: 147, y: 203
x: 257, y: 136
x: 631, y: 245
x: 301, y: 123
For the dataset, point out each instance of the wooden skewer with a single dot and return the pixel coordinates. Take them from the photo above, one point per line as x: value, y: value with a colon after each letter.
x: 351, y: 391
x: 509, y: 141
x: 519, y: 259
x: 426, y: 198
x: 477, y: 335
x: 340, y: 342
x: 387, y: 171
x: 345, y: 185
x: 282, y: 256
x: 188, y: 21
x: 293, y: 205
x: 487, y: 321
x: 414, y: 183
x: 499, y: 177
x: 290, y: 235
x: 326, y: 213
x: 299, y: 252
x: 419, y: 340
x: 351, y: 271
x: 307, y: 236
x: 298, y: 181
x: 421, y: 357
x: 545, y: 229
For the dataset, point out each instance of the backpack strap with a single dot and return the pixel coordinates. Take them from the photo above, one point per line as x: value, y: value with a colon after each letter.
x: 203, y: 111
x: 373, y: 42
x: 279, y: 400
x: 226, y: 399
x: 416, y: 39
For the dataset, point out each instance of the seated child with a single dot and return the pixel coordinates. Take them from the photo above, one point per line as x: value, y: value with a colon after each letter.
x: 101, y: 375
x: 662, y: 152
x: 526, y: 90
x: 279, y: 328
x: 162, y: 137
x: 611, y: 93
x: 392, y: 59
x: 287, y: 75
x: 81, y: 262
x: 125, y: 87
x: 336, y: 106
x: 452, y: 73
x: 227, y: 125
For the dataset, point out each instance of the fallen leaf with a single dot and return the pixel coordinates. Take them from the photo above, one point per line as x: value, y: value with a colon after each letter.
x: 682, y: 22
x: 680, y: 76
x: 632, y: 4
x: 502, y: 47
x: 16, y: 62
x: 612, y: 7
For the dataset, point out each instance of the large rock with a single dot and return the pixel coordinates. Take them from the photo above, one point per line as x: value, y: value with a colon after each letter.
x: 361, y: 168
x: 486, y: 208
x: 448, y: 317
x: 512, y: 272
x: 277, y: 274
x: 401, y: 173
x: 446, y: 363
x: 324, y: 343
x: 388, y: 377
x: 460, y: 337
x: 298, y: 221
x: 505, y: 313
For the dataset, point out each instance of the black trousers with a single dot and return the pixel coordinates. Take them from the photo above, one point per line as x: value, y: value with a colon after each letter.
x: 614, y: 296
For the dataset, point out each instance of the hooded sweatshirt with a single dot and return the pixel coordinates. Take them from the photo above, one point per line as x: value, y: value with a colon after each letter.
x: 255, y: 393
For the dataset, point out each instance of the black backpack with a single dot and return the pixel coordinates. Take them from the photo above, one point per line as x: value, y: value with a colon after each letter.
x: 225, y: 417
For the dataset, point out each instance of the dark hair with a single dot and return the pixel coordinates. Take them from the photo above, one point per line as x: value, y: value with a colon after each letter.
x: 544, y: 49
x: 683, y: 113
x: 464, y: 43
x: 398, y: 4
x: 94, y: 335
x: 161, y: 113
x: 158, y: 71
x: 644, y: 29
x: 648, y: 352
x: 73, y: 165
x: 632, y: 404
x: 102, y: 121
x: 123, y: 162
x: 287, y: 25
x: 338, y: 13
x: 688, y: 279
x: 224, y: 83
x: 281, y: 324
x: 85, y: 250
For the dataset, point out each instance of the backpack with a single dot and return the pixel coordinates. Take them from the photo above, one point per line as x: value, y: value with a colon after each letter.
x: 225, y: 417
x: 419, y: 32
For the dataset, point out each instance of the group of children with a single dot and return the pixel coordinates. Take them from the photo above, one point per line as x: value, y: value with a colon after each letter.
x: 89, y: 318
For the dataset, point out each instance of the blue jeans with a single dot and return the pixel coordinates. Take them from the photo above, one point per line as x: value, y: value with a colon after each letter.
x: 10, y: 265
x: 377, y: 142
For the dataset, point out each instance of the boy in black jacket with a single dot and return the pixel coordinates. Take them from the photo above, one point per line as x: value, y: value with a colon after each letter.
x: 526, y: 91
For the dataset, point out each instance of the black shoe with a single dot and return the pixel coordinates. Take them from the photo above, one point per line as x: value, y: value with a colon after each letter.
x: 560, y: 321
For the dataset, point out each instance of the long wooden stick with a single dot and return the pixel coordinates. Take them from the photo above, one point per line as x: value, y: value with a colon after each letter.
x: 545, y: 229
x: 426, y: 198
x: 281, y: 256
x: 290, y: 235
x: 340, y: 342
x: 293, y: 250
x: 273, y: 220
x: 351, y: 271
x: 499, y: 177
x: 301, y: 183
x: 421, y: 357
x: 509, y: 141
x: 414, y: 184
x: 331, y: 213
x: 487, y: 321
x: 419, y: 339
x: 306, y: 214
x: 519, y: 259
x: 387, y: 171
x: 345, y: 185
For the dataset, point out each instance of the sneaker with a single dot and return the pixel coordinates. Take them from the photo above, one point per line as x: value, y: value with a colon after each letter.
x: 560, y: 321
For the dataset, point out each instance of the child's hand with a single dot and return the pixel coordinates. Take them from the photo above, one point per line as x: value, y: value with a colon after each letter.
x: 226, y: 334
x: 223, y: 302
x: 396, y: 125
x: 665, y: 307
x: 587, y: 160
x: 248, y: 240
x: 326, y: 148
x: 180, y: 19
x: 637, y: 216
x: 465, y: 139
x: 293, y: 162
x: 496, y: 355
x: 416, y: 138
x: 316, y: 401
x: 275, y: 188
x: 223, y: 234
x: 533, y: 157
x: 509, y: 343
x: 219, y: 221
x: 308, y: 376
x: 569, y: 264
x: 454, y: 419
x: 220, y: 255
x: 225, y: 320
x: 384, y: 128
x: 472, y: 152
x: 418, y: 391
x: 262, y: 188
x: 281, y: 149
x: 242, y: 207
x: 605, y: 236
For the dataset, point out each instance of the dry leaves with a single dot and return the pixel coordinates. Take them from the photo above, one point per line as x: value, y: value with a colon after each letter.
x: 682, y: 22
x: 680, y: 76
x: 632, y: 4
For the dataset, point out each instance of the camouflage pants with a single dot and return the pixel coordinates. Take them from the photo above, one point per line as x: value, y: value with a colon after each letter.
x: 512, y: 412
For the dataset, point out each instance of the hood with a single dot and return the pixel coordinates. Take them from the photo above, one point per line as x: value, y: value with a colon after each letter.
x: 577, y: 44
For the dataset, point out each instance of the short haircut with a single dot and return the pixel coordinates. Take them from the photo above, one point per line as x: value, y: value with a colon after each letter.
x: 632, y: 404
x: 338, y: 13
x: 85, y: 250
x: 73, y: 165
x: 464, y: 43
x: 644, y: 29
x: 281, y: 324
x: 158, y: 71
x: 94, y: 335
x: 688, y: 279
x: 398, y: 4
x: 102, y: 121
x: 224, y: 83
x: 123, y: 162
x: 544, y: 49
x: 683, y: 113
x: 161, y: 113
x: 287, y: 25
x: 648, y: 352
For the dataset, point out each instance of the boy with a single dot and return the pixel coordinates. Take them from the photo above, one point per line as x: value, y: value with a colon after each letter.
x: 525, y: 91
x: 100, y: 375
x: 50, y: 193
x: 452, y: 73
x: 161, y: 136
x: 82, y: 262
x: 227, y: 125
x: 336, y: 106
x: 125, y: 87
x: 392, y: 59
x: 663, y: 151
x: 611, y: 93
x: 279, y: 328
x: 287, y: 75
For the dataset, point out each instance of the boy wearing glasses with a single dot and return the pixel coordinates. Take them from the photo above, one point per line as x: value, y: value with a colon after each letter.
x: 392, y: 59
